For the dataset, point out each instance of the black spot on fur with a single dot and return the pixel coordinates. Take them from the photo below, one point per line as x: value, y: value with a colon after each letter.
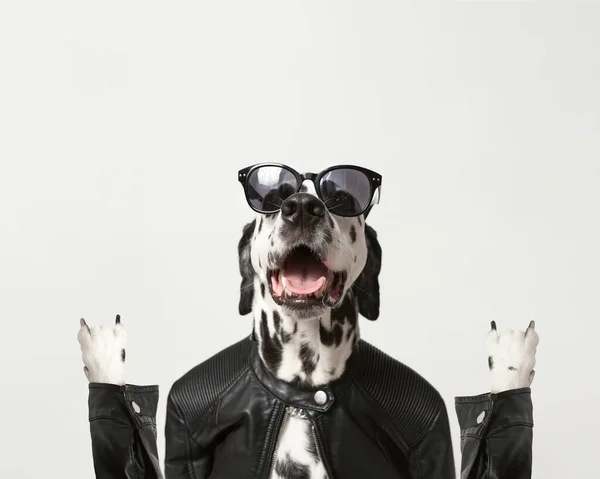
x: 123, y: 355
x: 260, y: 224
x: 349, y: 334
x: 262, y: 289
x: 355, y: 258
x: 331, y: 223
x: 271, y: 346
x: 303, y: 189
x: 307, y: 356
x: 334, y: 336
x: 300, y: 383
x: 353, y: 234
x: 259, y: 264
x: 490, y: 362
x: 345, y: 312
x: 286, y: 337
x: 512, y: 368
x: 272, y: 242
x: 359, y: 221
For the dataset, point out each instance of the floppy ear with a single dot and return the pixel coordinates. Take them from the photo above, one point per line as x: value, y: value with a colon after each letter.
x: 246, y: 269
x: 366, y: 286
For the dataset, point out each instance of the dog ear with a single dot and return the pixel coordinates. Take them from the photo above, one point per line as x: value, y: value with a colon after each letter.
x: 366, y: 286
x: 246, y: 269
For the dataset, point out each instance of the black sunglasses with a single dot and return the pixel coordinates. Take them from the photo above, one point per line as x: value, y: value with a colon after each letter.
x: 346, y: 190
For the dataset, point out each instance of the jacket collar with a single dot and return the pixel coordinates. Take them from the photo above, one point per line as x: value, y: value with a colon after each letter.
x: 318, y: 399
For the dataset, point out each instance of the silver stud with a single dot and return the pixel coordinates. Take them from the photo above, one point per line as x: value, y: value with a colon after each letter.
x: 480, y: 417
x: 135, y: 407
x: 320, y: 397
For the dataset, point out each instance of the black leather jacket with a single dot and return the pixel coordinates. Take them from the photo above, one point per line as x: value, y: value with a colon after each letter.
x: 380, y: 420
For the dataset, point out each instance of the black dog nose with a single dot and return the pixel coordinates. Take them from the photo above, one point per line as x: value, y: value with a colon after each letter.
x: 303, y: 209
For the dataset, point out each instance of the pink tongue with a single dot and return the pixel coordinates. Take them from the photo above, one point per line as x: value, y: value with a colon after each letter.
x: 304, y: 276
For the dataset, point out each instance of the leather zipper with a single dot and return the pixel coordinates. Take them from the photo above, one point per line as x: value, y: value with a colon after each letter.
x: 315, y: 436
x: 283, y: 423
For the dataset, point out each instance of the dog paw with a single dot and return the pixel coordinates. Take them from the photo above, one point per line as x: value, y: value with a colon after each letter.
x: 103, y: 352
x: 511, y: 357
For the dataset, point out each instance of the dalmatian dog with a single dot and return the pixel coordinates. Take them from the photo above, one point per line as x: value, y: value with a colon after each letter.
x: 307, y: 274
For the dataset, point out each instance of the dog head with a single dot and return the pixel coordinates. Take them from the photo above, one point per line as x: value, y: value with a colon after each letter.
x: 307, y: 260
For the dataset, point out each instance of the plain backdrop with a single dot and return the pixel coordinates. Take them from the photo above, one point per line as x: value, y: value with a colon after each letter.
x: 123, y: 125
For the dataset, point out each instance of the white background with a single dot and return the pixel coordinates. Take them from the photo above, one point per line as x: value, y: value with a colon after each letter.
x: 123, y: 125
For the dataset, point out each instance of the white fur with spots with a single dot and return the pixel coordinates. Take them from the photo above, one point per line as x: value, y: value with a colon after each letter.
x: 511, y: 357
x: 103, y: 352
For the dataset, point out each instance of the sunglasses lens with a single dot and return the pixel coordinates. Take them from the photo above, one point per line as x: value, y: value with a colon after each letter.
x: 268, y: 187
x: 346, y: 191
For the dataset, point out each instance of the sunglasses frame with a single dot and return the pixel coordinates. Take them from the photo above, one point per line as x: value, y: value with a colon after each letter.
x: 373, y: 177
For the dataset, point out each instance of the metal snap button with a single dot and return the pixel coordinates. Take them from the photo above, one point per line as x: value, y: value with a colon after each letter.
x: 320, y: 397
x: 480, y: 417
x: 135, y: 407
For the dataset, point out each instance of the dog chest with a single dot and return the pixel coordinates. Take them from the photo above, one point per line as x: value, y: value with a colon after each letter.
x: 297, y: 453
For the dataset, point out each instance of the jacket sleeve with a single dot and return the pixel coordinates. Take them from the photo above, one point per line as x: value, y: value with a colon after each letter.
x: 123, y: 431
x: 496, y: 435
x: 433, y: 456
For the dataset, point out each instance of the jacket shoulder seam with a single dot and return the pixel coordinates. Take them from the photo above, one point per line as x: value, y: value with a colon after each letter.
x: 217, y: 399
x: 395, y: 387
x: 198, y: 391
x: 383, y: 411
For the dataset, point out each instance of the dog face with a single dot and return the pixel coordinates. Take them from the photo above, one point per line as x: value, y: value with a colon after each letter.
x: 307, y: 260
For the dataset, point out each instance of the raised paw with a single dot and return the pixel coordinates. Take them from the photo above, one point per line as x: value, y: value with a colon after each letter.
x: 103, y: 352
x: 511, y: 357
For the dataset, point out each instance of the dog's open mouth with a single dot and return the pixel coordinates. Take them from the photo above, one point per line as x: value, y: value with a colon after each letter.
x: 304, y: 280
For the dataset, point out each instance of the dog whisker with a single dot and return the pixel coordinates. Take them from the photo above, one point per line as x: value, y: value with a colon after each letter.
x: 277, y: 205
x: 335, y: 206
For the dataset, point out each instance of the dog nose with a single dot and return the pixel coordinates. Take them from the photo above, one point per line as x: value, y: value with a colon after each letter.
x: 302, y: 209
